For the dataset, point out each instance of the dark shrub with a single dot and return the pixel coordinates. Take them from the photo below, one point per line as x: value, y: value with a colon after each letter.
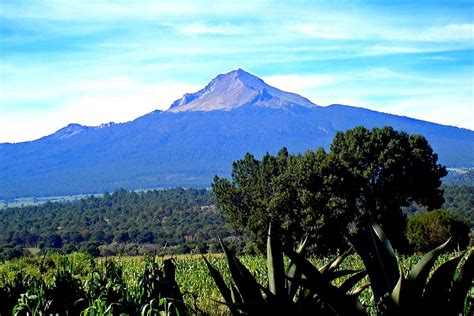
x: 428, y: 230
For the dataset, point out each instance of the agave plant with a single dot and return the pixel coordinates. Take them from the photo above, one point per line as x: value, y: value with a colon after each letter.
x: 301, y: 289
x: 444, y: 293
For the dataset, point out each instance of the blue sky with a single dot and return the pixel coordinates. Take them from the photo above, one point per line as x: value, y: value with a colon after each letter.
x: 92, y: 62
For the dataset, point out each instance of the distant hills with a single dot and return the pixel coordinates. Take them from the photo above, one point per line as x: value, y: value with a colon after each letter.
x: 197, y: 138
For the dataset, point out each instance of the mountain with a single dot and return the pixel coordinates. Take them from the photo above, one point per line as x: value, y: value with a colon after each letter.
x: 236, y: 89
x: 197, y: 138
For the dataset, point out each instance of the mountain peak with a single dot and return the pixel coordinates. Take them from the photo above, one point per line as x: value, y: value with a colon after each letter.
x: 235, y: 89
x: 69, y: 131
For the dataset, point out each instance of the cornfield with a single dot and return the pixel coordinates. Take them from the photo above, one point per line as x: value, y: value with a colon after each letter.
x: 81, y: 285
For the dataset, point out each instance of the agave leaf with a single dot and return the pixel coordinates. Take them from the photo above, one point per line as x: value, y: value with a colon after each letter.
x: 379, y: 259
x: 236, y: 297
x: 246, y: 284
x: 352, y: 280
x: 395, y: 295
x: 216, y: 276
x: 356, y: 292
x: 338, y: 301
x: 463, y: 283
x: 334, y: 264
x: 407, y: 294
x: 293, y: 272
x: 383, y: 238
x: 437, y: 297
x: 275, y: 265
x: 416, y: 279
x: 422, y: 269
x: 339, y: 274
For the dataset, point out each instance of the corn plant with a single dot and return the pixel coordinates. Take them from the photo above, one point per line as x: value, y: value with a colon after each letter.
x: 10, y: 292
x: 64, y: 296
x: 35, y: 300
x: 158, y: 291
x: 301, y: 289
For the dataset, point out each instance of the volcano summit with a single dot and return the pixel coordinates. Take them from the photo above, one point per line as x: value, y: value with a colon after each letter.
x: 196, y: 138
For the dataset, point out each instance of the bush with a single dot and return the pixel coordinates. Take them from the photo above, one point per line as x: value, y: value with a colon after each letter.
x: 428, y: 230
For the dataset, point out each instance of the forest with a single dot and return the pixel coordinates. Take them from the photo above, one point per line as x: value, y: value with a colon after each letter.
x: 153, y: 222
x: 122, y: 222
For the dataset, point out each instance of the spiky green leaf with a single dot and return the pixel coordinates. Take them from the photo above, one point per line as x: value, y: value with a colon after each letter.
x: 275, y: 265
x: 248, y: 287
x: 348, y: 284
x: 438, y: 295
x: 338, y: 301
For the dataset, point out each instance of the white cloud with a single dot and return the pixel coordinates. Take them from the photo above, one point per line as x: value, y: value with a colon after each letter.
x: 449, y: 32
x: 92, y: 103
x: 145, y: 10
x: 360, y: 28
x: 216, y: 29
x: 441, y: 108
x: 78, y: 10
x: 294, y: 82
x: 430, y: 99
x: 392, y: 49
x: 323, y: 31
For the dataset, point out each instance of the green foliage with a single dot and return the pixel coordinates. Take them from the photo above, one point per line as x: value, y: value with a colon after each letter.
x: 383, y: 170
x: 426, y: 230
x: 304, y: 289
x: 301, y: 289
x: 192, y: 275
x: 366, y: 173
x: 103, y: 289
x: 415, y: 293
x: 460, y: 198
x: 115, y: 224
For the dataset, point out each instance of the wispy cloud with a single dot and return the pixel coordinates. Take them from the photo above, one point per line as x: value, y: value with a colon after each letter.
x: 145, y: 10
x: 218, y: 29
x: 93, y: 61
x: 382, y: 89
x: 362, y: 30
x: 88, y: 103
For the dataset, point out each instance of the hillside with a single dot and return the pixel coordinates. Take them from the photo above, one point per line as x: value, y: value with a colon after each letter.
x: 197, y: 138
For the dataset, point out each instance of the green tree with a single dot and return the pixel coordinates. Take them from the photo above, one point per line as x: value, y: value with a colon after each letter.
x: 430, y: 229
x: 366, y: 174
x: 55, y: 241
x: 257, y: 195
x: 381, y: 171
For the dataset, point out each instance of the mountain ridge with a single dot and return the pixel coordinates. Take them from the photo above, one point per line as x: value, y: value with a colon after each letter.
x: 187, y: 148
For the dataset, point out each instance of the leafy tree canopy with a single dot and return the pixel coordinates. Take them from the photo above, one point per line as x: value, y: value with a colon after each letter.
x: 430, y: 229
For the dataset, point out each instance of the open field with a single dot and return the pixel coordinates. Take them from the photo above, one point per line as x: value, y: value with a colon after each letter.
x: 29, y: 201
